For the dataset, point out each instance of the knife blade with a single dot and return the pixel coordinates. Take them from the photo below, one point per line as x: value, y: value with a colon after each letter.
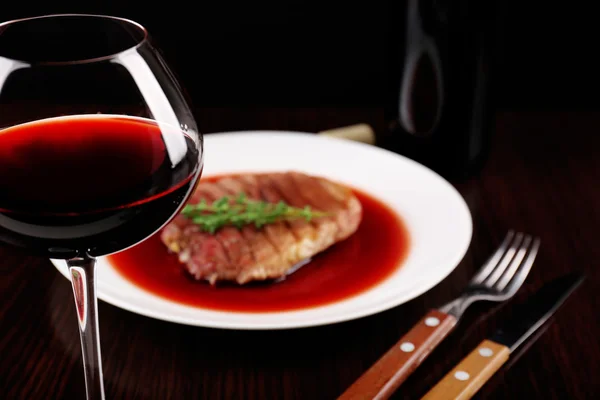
x: 468, y: 376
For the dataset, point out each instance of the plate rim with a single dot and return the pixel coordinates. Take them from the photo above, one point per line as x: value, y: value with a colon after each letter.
x: 420, y: 288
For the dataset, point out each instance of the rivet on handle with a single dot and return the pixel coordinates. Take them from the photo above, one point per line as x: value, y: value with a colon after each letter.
x: 461, y: 375
x: 407, y: 347
x: 486, y: 352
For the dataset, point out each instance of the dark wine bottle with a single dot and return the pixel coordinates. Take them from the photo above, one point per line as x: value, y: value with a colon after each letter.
x: 439, y: 95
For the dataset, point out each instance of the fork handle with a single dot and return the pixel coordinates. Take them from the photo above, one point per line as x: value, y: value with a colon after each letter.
x: 383, y: 378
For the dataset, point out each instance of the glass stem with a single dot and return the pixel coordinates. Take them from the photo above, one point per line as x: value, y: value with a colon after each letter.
x: 83, y: 279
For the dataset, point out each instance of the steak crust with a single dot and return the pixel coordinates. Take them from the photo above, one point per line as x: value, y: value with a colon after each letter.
x: 250, y: 254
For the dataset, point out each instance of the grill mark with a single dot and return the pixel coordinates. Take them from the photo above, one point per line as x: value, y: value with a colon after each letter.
x: 270, y: 194
x: 236, y: 246
x: 318, y: 196
x: 202, y: 254
x: 279, y: 233
x: 208, y: 256
x: 351, y: 206
x: 268, y: 261
x: 299, y: 226
x: 324, y: 231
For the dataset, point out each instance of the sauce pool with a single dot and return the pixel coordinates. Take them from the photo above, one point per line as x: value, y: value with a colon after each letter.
x: 367, y: 258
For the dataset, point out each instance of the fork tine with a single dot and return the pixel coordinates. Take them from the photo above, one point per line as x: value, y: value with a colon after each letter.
x: 514, y: 265
x: 491, y: 263
x: 503, y: 265
x: 523, y: 270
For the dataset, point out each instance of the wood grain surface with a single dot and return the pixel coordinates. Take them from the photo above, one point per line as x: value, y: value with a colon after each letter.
x: 542, y: 177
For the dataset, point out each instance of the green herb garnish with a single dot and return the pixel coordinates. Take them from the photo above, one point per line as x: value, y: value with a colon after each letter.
x: 241, y: 211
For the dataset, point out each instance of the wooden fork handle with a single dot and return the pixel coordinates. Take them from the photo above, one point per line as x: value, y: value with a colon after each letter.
x: 383, y: 378
x: 464, y: 380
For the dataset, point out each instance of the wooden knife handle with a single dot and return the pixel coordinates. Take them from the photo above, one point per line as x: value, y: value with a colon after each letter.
x: 383, y: 378
x: 471, y: 373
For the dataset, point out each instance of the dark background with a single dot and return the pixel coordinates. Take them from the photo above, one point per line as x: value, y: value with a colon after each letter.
x: 279, y: 65
x: 333, y: 53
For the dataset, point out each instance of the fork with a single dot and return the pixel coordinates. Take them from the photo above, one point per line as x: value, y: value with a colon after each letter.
x: 497, y: 280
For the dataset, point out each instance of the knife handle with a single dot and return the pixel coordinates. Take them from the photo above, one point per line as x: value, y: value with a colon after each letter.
x: 464, y: 380
x: 383, y: 378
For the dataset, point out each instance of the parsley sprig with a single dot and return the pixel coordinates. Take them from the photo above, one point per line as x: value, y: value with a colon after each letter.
x: 241, y: 211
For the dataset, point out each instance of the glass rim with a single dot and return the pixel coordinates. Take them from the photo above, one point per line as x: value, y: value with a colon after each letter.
x: 131, y: 22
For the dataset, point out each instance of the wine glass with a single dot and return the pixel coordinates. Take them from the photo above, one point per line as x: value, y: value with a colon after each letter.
x: 98, y: 148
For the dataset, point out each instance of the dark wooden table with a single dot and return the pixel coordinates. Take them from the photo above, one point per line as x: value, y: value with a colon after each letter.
x: 542, y: 177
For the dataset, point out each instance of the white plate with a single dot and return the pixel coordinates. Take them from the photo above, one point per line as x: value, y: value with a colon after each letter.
x: 436, y: 216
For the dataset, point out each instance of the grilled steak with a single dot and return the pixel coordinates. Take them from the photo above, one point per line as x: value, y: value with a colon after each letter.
x: 250, y: 254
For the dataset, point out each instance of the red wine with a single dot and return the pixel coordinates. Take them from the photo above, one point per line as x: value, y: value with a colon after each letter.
x: 91, y: 184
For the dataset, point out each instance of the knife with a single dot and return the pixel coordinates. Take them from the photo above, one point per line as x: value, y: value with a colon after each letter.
x: 464, y: 380
x: 498, y: 279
